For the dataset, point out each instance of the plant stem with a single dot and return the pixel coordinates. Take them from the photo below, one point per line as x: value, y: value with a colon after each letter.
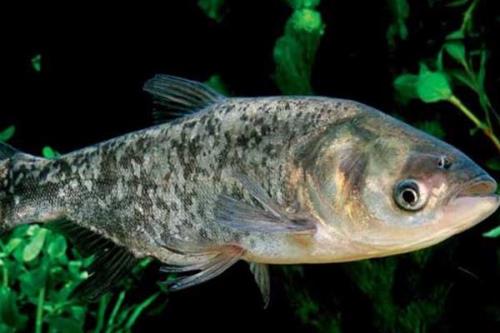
x: 488, y: 131
x: 103, y: 304
x: 468, y: 15
x: 39, y: 311
x: 5, y: 274
x: 138, y: 310
x: 116, y: 308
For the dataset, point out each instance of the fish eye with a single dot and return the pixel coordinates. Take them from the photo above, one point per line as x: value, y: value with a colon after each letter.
x: 408, y: 195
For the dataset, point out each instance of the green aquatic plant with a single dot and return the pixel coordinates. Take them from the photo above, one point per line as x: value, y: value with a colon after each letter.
x: 467, y: 68
x: 295, y: 51
x: 215, y: 81
x: 7, y: 133
x: 36, y: 63
x: 39, y: 273
x: 212, y: 8
x: 398, y: 30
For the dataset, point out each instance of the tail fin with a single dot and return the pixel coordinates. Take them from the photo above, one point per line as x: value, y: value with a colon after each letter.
x: 6, y: 152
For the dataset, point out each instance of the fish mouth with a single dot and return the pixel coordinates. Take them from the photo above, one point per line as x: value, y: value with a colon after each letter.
x: 480, y: 186
x: 473, y: 202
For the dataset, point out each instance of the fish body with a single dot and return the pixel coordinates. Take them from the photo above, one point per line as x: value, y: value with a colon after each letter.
x: 269, y: 180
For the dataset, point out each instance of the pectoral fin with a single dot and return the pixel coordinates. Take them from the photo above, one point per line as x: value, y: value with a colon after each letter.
x: 266, y: 217
x: 245, y: 217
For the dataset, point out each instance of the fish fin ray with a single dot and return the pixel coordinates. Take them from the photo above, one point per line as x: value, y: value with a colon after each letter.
x: 111, y: 261
x: 174, y: 96
x: 261, y: 275
x: 241, y: 216
x: 85, y: 240
x: 7, y: 151
x: 208, y: 270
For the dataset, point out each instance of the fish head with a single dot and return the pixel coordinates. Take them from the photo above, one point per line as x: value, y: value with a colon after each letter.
x: 382, y: 187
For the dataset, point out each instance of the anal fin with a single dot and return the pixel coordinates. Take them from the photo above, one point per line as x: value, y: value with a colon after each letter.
x: 111, y: 262
x: 261, y: 275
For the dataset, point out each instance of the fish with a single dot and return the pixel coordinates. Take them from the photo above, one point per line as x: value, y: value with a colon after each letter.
x: 267, y: 180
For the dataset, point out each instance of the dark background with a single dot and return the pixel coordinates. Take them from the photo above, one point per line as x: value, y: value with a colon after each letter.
x: 95, y: 60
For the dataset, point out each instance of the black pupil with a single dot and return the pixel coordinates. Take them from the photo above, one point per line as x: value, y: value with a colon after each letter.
x: 409, y: 196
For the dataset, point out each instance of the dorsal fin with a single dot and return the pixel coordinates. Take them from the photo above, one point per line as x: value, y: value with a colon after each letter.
x: 176, y: 96
x: 111, y: 262
x: 6, y: 151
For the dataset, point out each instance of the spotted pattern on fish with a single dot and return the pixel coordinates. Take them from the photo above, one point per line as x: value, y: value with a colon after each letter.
x: 162, y: 182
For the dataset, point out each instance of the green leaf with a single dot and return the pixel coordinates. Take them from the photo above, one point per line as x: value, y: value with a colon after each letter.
x: 36, y: 63
x: 433, y: 87
x: 295, y: 52
x: 215, y: 82
x: 32, y: 250
x: 493, y: 233
x: 212, y: 8
x: 7, y: 133
x: 481, y: 75
x: 9, y: 312
x: 32, y: 281
x: 406, y: 86
x: 57, y: 246
x: 12, y: 244
x: 400, y: 10
x: 458, y: 34
x: 65, y: 325
x: 300, y: 4
x: 307, y: 20
x: 457, y: 3
x: 48, y: 152
x: 456, y: 50
x: 494, y: 164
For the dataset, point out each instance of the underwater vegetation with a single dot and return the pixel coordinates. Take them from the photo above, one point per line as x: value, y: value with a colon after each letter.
x: 445, y: 88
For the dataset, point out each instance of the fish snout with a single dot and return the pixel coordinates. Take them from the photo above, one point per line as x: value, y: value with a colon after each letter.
x: 481, y: 185
x: 475, y: 196
x: 470, y: 179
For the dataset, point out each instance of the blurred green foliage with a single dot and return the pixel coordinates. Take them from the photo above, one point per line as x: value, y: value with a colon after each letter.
x: 295, y: 51
x: 38, y: 275
x: 400, y: 10
x: 36, y: 63
x: 466, y: 68
x: 216, y: 82
x: 7, y: 133
x: 212, y: 8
